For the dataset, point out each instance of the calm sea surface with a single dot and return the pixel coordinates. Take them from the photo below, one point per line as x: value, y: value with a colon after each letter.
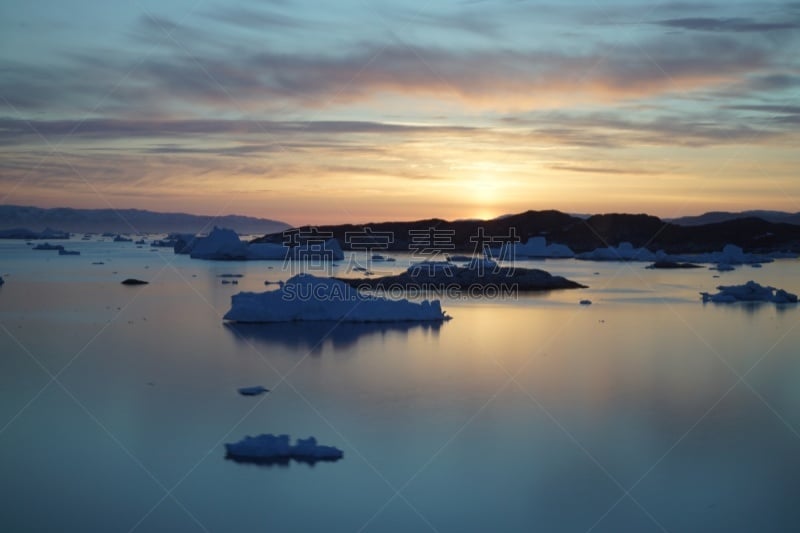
x: 646, y: 411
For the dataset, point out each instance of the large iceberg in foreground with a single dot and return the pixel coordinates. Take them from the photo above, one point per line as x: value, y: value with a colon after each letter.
x: 749, y: 292
x: 307, y: 297
x: 269, y: 448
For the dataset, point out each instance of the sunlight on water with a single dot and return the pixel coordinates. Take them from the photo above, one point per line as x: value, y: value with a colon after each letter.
x: 533, y: 413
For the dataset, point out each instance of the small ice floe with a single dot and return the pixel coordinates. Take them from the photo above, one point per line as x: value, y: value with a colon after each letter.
x: 586, y: 302
x: 98, y: 263
x: 1, y: 280
x: 68, y: 252
x: 749, y: 292
x: 230, y: 282
x: 755, y: 265
x: 723, y: 267
x: 276, y: 449
x: 134, y: 281
x: 252, y: 391
x: 231, y: 276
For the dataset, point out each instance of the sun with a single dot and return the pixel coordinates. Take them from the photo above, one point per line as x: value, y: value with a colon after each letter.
x: 484, y: 214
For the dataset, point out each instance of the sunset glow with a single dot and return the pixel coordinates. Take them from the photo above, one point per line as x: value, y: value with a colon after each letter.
x: 307, y: 113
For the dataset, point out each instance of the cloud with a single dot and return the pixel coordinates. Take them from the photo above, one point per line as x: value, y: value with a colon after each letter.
x: 597, y: 130
x: 742, y: 24
x: 106, y: 129
x: 603, y: 170
x: 201, y: 73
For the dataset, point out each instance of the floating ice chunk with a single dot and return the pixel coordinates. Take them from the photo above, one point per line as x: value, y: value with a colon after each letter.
x: 723, y: 267
x: 220, y: 244
x: 624, y: 252
x: 749, y: 292
x: 309, y: 449
x: 1, y: 280
x: 534, y: 247
x: 586, y: 302
x: 307, y: 297
x: 268, y: 448
x: 253, y: 391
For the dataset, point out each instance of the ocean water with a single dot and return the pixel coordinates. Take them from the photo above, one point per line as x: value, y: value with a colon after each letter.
x: 645, y: 411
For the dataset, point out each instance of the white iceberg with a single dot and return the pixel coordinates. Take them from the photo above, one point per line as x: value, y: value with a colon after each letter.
x: 534, y: 247
x: 726, y: 259
x: 749, y: 292
x: 225, y: 244
x: 624, y: 252
x: 310, y: 298
x: 269, y: 448
x: 221, y: 243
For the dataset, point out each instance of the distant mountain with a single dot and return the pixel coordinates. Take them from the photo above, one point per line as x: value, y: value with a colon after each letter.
x: 712, y: 217
x: 128, y: 221
x: 596, y: 231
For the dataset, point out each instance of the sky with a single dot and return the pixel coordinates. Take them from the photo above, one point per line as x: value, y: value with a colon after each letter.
x: 366, y: 110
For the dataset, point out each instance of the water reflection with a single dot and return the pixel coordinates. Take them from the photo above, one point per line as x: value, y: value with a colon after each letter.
x: 314, y: 336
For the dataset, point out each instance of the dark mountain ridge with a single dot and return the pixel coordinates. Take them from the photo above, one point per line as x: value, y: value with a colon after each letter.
x: 128, y: 221
x: 752, y: 234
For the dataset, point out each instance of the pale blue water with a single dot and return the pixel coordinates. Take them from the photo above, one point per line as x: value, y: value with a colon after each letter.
x: 535, y: 414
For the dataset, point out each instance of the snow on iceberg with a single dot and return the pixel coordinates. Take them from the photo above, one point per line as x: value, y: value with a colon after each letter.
x: 311, y: 298
x: 749, y: 292
x: 624, y: 252
x: 268, y: 449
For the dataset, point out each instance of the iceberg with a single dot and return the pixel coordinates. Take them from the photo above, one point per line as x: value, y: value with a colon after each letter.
x: 534, y: 247
x: 1, y: 280
x: 225, y: 245
x: 726, y: 259
x: 749, y: 292
x: 624, y: 252
x: 271, y: 449
x: 221, y: 244
x: 307, y: 297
